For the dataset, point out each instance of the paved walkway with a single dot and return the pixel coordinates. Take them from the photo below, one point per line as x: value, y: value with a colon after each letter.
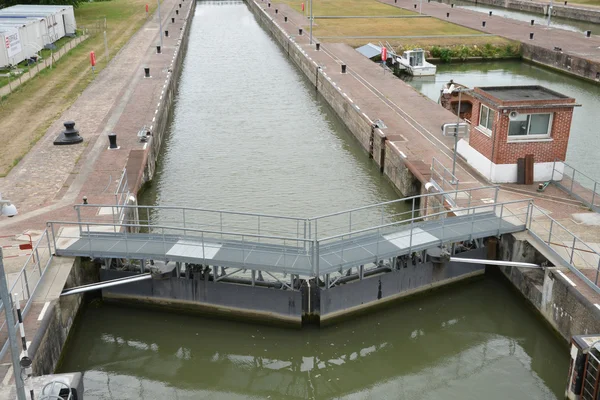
x: 50, y: 179
x: 572, y: 43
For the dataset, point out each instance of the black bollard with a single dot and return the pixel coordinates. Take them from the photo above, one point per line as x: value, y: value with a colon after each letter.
x: 166, y: 33
x: 318, y: 46
x: 146, y: 72
x: 530, y: 35
x: 588, y: 33
x: 532, y: 22
x: 112, y: 140
x: 490, y: 13
x: 284, y: 19
x: 565, y: 3
x: 343, y: 68
x: 179, y: 5
x: 447, y: 15
x: 395, y: 1
x: 172, y: 20
x: 177, y: 12
x: 300, y: 31
x: 85, y: 200
x: 452, y: 5
x: 269, y: 4
x: 157, y: 49
x: 276, y: 11
x: 483, y: 24
x: 415, y: 6
x: 69, y: 136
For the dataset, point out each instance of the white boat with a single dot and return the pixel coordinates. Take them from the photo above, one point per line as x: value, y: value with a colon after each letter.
x: 413, y: 61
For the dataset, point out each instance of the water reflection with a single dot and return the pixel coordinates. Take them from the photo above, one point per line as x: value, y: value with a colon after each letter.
x: 476, y: 338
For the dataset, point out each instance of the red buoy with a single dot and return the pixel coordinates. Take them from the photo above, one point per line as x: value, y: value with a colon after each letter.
x: 383, y: 54
x: 92, y: 58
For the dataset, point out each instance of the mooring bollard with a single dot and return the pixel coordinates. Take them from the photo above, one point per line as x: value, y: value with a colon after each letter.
x: 588, y: 33
x: 343, y: 68
x: 447, y: 15
x: 415, y: 6
x: 318, y: 46
x: 483, y: 23
x: 268, y: 4
x: 530, y: 35
x: 284, y: 19
x: 300, y: 31
x: 177, y: 12
x: 179, y: 5
x: 146, y: 72
x: 452, y: 5
x: 395, y: 1
x: 112, y: 140
x: 565, y: 3
x: 490, y: 13
x: 85, y: 200
x: 276, y: 11
x: 532, y: 22
x: 157, y: 49
x: 166, y: 33
x: 172, y: 20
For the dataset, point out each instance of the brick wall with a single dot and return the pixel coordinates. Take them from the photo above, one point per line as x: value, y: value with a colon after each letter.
x: 506, y: 152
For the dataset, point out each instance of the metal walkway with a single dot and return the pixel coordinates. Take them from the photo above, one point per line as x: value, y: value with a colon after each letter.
x: 345, y: 240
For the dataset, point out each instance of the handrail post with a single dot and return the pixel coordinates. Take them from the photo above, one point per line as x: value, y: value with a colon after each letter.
x: 572, y: 251
x: 550, y: 231
x: 26, y: 284
x: 572, y: 180
x: 597, y: 271
x: 49, y: 244
x: 553, y: 169
x: 499, y: 219
x: 183, y: 216
x: 53, y: 236
x: 412, y: 223
x: 594, y: 193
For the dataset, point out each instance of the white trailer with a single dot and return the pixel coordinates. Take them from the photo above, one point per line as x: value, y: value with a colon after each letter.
x: 26, y: 29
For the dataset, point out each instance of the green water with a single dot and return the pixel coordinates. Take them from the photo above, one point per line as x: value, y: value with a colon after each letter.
x: 474, y: 341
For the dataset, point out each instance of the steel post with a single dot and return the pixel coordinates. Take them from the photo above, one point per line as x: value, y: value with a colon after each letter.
x: 550, y: 12
x: 550, y: 231
x: 594, y: 193
x: 26, y: 284
x: 12, y: 333
x: 456, y: 140
x: 499, y: 219
x: 553, y: 169
x: 597, y: 271
x: 573, y: 250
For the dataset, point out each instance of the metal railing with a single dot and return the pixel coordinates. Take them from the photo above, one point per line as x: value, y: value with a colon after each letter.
x: 573, y: 252
x: 28, y: 278
x: 577, y: 184
x: 122, y: 194
x: 97, y: 239
x: 443, y: 179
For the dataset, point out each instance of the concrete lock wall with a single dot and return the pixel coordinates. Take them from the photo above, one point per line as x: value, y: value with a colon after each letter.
x: 209, y: 297
x: 360, y: 295
x: 46, y: 347
x: 561, y: 61
x: 558, y: 302
x: 393, y: 165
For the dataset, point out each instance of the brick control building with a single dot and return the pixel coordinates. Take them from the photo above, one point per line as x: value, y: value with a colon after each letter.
x: 511, y: 122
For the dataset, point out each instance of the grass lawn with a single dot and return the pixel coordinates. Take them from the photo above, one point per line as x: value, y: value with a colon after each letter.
x: 43, y: 99
x: 388, y: 27
x: 426, y: 43
x: 345, y: 7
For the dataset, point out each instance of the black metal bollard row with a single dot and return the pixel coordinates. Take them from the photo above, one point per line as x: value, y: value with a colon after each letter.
x: 530, y: 35
x: 343, y: 68
x: 112, y: 140
x: 318, y: 46
x: 157, y: 49
x: 146, y: 72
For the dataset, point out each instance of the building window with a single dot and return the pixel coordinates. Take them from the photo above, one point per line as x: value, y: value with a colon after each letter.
x: 486, y: 118
x: 530, y: 126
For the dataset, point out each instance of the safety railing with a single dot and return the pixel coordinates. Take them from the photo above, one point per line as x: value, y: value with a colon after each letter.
x: 417, y: 234
x: 428, y: 205
x: 443, y: 179
x: 577, y: 184
x: 294, y: 253
x: 573, y: 252
x: 122, y: 240
x: 27, y: 280
x: 122, y: 195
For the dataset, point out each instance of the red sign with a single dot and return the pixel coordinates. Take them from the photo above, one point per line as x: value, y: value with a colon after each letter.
x: 383, y: 54
x: 302, y: 7
x: 146, y: 8
x: 92, y: 58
